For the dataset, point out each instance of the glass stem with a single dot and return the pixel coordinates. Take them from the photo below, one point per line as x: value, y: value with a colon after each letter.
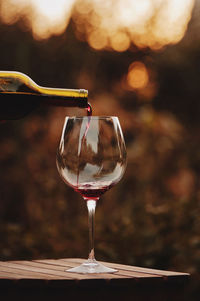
x: 91, y: 205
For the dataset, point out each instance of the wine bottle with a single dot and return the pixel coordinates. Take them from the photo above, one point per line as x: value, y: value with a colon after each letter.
x: 19, y: 95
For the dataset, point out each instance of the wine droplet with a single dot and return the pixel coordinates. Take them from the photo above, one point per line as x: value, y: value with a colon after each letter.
x: 89, y: 110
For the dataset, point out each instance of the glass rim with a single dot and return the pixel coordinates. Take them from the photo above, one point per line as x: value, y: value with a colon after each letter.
x: 91, y: 117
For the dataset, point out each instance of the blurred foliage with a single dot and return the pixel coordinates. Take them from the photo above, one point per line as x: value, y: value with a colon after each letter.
x: 151, y: 218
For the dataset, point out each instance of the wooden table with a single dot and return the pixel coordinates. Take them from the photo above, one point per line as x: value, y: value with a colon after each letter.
x: 48, y: 280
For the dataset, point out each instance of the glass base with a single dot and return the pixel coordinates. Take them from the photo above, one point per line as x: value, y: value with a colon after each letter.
x: 91, y: 267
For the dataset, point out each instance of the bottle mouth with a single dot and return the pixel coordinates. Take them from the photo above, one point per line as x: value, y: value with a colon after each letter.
x: 83, y: 93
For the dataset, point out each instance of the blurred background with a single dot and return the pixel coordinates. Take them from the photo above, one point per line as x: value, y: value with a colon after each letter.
x: 140, y: 61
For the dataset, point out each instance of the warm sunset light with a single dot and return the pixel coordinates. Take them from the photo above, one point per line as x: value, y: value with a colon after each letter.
x: 113, y: 25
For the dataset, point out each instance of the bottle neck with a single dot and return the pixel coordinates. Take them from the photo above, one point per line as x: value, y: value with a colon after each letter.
x: 64, y: 97
x: 67, y: 93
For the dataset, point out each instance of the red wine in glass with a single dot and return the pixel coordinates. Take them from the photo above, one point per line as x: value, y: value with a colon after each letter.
x: 90, y: 191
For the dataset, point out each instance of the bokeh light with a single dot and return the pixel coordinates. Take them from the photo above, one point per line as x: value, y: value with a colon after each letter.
x: 114, y: 25
x: 43, y: 17
x: 137, y: 77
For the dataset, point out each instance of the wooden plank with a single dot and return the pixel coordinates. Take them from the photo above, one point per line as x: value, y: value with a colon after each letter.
x: 21, y: 274
x: 39, y: 267
x: 7, y: 275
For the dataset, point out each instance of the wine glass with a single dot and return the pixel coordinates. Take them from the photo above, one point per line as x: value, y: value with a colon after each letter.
x: 91, y: 158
